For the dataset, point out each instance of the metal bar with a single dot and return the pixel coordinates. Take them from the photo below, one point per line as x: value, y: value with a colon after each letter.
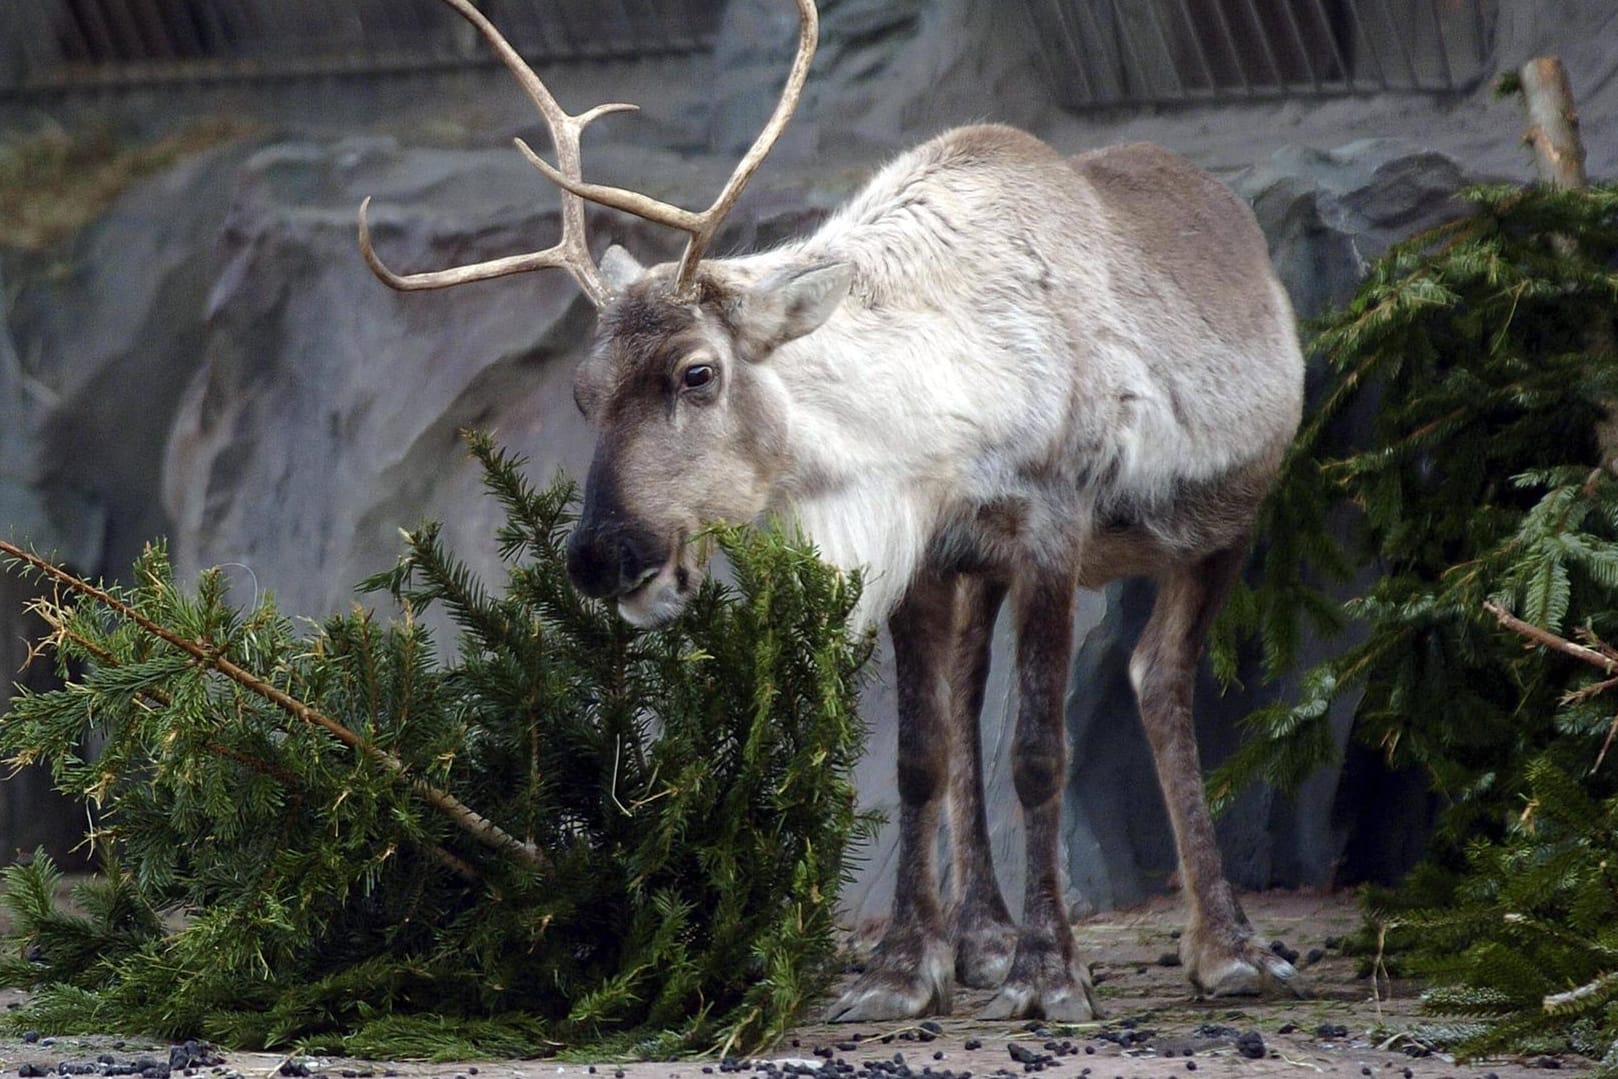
x: 671, y: 23
x: 562, y: 20
x: 218, y: 40
x: 1075, y: 50
x: 1291, y: 17
x: 378, y: 28
x: 1330, y: 30
x: 1264, y: 44
x: 1404, y: 46
x: 1485, y: 34
x: 164, y: 28
x: 145, y: 40
x: 622, y: 25
x: 106, y: 38
x: 533, y: 35
x: 1114, y: 76
x: 1196, y: 44
x: 187, y: 32
x: 123, y: 30
x: 1362, y: 34
x: 1126, y: 44
x: 1171, y: 50
x: 1443, y: 46
x: 26, y: 54
x: 1052, y: 78
x: 1168, y: 50
x: 1230, y: 43
x: 71, y: 21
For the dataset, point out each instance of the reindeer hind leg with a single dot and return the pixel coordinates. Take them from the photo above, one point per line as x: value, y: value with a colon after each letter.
x: 1219, y: 950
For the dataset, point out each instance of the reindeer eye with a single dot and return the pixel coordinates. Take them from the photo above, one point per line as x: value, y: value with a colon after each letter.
x: 697, y: 376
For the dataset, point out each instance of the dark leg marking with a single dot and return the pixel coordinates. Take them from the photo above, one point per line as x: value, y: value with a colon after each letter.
x: 911, y: 972
x: 1046, y: 979
x: 985, y: 936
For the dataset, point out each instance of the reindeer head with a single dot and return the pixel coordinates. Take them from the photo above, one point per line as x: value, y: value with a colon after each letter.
x: 691, y: 421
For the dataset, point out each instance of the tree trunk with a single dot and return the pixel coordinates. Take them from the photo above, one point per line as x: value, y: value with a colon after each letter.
x: 1553, y: 132
x: 1553, y: 123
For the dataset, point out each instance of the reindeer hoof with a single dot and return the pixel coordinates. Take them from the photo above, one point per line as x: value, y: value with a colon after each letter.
x: 905, y: 979
x: 983, y: 955
x: 1242, y: 968
x: 1062, y: 1004
x: 1045, y: 984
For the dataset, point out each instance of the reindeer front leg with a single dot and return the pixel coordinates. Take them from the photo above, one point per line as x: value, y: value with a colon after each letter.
x: 911, y: 972
x: 985, y: 936
x: 1046, y: 980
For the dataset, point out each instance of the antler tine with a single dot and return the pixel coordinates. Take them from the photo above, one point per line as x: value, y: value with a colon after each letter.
x: 572, y: 251
x: 702, y: 225
x: 559, y: 255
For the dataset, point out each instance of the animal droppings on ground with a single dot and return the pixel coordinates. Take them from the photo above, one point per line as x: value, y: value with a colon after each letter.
x: 1153, y: 1029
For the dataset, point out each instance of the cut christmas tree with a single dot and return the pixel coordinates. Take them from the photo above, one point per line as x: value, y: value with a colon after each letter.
x: 571, y: 834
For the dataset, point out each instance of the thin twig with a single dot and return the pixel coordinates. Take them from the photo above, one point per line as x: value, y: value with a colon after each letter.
x: 1600, y: 655
x: 1588, y: 638
x: 479, y: 827
x: 1594, y: 689
x: 1550, y: 640
x: 1606, y: 744
x: 1380, y: 968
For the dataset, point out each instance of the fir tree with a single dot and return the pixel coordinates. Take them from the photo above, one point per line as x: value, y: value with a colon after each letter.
x: 1473, y: 346
x: 572, y: 834
x: 1482, y: 351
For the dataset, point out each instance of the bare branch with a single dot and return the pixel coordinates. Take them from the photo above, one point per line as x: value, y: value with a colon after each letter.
x: 1550, y: 640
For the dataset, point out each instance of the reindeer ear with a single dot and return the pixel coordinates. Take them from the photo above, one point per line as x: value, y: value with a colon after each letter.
x: 620, y: 268
x: 793, y: 302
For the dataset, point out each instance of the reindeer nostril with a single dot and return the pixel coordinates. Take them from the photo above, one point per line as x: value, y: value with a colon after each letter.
x: 612, y: 564
x: 636, y: 562
x: 591, y: 565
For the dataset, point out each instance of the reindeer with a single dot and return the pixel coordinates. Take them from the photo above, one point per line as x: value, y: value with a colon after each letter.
x: 996, y: 372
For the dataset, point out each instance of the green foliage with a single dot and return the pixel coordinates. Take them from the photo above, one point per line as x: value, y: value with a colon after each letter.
x: 1482, y: 356
x: 685, y: 795
x: 55, y: 181
x: 1483, y: 353
x: 1527, y: 942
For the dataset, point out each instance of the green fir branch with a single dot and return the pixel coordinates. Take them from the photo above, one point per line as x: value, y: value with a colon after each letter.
x: 266, y: 885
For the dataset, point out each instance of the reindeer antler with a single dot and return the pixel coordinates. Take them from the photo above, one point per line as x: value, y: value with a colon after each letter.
x: 702, y: 225
x: 572, y: 251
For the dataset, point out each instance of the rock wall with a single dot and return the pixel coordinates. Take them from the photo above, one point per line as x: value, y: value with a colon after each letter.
x: 212, y: 362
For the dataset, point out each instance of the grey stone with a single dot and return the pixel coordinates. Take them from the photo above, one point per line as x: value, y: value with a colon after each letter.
x: 885, y: 70
x: 107, y: 330
x: 1328, y: 214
